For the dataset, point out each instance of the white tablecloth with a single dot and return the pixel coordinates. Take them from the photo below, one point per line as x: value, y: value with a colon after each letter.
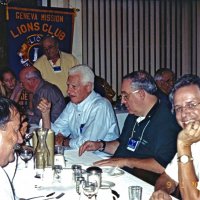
x: 27, y: 186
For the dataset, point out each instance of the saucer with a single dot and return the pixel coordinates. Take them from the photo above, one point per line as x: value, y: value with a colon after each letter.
x: 107, y: 184
x: 112, y: 171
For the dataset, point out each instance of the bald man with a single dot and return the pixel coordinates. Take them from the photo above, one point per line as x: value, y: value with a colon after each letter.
x: 33, y: 82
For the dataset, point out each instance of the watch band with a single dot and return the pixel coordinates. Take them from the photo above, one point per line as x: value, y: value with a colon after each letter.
x: 185, y: 159
x: 104, y: 145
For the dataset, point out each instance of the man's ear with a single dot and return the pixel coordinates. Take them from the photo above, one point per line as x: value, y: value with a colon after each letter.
x: 159, y: 83
x: 3, y: 128
x: 142, y: 94
x: 89, y: 86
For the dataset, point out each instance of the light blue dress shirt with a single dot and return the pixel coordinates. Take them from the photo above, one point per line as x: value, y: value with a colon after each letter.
x: 93, y: 119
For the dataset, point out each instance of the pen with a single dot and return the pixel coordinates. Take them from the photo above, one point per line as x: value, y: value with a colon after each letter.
x: 81, y: 128
x: 48, y: 195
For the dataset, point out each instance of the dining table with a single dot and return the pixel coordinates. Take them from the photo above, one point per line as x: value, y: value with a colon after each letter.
x: 28, y: 185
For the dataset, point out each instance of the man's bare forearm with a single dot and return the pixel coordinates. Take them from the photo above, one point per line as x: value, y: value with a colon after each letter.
x: 46, y: 123
x: 111, y: 147
x: 149, y: 164
x: 165, y: 183
x: 187, y: 177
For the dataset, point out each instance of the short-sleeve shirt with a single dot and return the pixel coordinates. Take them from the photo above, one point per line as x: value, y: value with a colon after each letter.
x: 172, y: 168
x: 157, y: 133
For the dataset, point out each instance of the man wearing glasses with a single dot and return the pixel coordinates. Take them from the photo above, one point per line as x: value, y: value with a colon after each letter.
x: 164, y: 78
x: 54, y: 64
x: 148, y: 138
x: 184, y: 168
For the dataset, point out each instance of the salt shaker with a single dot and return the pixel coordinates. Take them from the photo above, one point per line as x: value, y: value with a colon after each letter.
x: 79, y: 182
x: 94, y: 175
x: 77, y: 171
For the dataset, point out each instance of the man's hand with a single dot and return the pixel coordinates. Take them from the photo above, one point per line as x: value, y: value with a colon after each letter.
x: 115, y: 162
x: 62, y: 140
x: 44, y: 106
x: 190, y: 134
x: 160, y: 195
x: 89, y: 146
x: 59, y: 139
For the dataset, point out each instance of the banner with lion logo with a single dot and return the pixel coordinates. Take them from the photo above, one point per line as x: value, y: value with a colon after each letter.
x: 26, y: 28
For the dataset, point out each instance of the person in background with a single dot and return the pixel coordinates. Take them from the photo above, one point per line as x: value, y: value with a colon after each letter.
x: 2, y: 89
x: 148, y: 138
x: 88, y: 116
x: 11, y: 131
x: 164, y: 78
x: 102, y: 87
x: 33, y: 82
x: 14, y: 89
x: 184, y: 168
x: 55, y: 64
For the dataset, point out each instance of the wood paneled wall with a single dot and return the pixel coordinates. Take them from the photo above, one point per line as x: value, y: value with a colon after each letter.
x: 120, y: 36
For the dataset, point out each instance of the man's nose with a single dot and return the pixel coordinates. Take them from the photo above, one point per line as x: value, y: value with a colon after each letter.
x: 184, y: 111
x: 123, y: 101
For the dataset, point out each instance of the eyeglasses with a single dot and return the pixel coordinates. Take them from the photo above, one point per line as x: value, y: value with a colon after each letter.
x: 49, y: 48
x: 126, y: 96
x: 168, y: 81
x: 189, y: 106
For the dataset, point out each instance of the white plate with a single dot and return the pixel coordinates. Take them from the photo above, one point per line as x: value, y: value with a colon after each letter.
x: 112, y: 171
x: 107, y: 184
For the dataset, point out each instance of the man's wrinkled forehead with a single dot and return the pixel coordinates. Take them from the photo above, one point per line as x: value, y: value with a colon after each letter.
x: 14, y: 117
x: 190, y: 91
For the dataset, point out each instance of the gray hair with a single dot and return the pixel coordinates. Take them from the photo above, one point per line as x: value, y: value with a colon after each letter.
x: 142, y: 80
x: 160, y: 72
x: 185, y: 80
x: 87, y: 75
x: 34, y: 74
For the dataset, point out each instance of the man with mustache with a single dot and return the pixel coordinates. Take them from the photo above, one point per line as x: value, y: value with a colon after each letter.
x: 184, y: 168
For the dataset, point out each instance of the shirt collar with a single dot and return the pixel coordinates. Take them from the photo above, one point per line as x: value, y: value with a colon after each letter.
x: 153, y: 109
x: 84, y: 103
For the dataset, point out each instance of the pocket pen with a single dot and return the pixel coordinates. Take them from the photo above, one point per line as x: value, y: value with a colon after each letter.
x: 81, y: 128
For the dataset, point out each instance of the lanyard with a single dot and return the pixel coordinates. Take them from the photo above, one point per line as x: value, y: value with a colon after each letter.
x: 133, y: 131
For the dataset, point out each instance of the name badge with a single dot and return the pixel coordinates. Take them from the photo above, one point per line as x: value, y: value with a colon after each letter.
x: 132, y: 144
x: 57, y: 69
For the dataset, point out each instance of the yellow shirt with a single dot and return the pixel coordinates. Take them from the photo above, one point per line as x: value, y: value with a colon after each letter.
x: 58, y: 78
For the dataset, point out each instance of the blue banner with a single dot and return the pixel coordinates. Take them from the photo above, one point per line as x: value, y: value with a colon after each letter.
x: 26, y: 28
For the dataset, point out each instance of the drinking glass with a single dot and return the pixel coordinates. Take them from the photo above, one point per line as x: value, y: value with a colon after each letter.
x: 90, y: 189
x: 26, y: 153
x: 57, y: 173
x: 135, y: 192
x: 77, y: 171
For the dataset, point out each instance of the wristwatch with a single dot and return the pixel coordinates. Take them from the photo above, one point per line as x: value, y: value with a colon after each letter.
x: 104, y: 145
x: 184, y: 159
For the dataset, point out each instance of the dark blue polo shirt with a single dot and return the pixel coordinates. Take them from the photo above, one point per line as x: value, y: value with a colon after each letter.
x: 157, y: 133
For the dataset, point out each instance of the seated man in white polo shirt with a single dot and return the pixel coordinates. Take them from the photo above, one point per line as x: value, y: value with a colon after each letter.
x: 185, y: 167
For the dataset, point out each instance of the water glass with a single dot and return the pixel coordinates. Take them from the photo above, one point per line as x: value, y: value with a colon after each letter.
x: 135, y: 192
x: 77, y: 172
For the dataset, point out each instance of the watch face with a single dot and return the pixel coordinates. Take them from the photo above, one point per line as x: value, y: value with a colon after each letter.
x: 184, y: 159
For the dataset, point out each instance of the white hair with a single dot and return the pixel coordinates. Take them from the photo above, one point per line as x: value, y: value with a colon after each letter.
x: 87, y: 75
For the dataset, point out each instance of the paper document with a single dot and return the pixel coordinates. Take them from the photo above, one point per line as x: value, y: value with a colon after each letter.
x: 88, y: 157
